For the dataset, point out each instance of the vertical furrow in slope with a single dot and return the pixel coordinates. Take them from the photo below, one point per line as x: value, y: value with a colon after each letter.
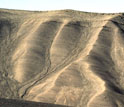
x: 98, y: 83
x: 33, y: 49
x: 63, y: 35
x: 89, y: 73
x: 117, y: 54
x: 51, y: 82
x: 53, y: 49
x: 53, y: 37
x: 64, y: 44
x: 22, y: 47
x: 101, y: 63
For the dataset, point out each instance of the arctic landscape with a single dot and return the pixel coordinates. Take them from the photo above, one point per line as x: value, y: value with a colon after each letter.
x: 61, y: 58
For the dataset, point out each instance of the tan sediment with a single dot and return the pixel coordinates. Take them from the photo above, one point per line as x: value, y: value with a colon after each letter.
x: 98, y: 82
x: 47, y: 85
x: 52, y: 50
x: 62, y: 57
x: 22, y: 50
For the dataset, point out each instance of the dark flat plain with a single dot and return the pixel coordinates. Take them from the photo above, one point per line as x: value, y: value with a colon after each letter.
x: 22, y: 103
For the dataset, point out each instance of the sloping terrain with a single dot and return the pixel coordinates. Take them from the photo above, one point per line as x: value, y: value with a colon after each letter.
x: 63, y: 57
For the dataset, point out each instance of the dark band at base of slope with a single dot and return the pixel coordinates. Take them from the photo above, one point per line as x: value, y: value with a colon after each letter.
x: 22, y: 103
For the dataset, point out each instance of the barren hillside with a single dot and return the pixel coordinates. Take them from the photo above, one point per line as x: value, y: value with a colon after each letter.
x: 62, y: 57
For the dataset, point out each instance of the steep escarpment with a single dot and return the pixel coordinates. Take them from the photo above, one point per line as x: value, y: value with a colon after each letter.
x: 63, y: 57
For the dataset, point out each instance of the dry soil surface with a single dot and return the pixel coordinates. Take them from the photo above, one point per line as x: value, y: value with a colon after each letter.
x: 65, y: 57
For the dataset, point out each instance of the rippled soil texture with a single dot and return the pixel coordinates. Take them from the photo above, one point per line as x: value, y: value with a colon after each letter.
x: 63, y: 57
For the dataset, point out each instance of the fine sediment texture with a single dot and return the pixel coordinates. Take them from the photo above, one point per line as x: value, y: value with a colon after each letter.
x: 66, y: 57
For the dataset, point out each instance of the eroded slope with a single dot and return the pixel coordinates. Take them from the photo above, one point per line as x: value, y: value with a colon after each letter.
x: 62, y: 57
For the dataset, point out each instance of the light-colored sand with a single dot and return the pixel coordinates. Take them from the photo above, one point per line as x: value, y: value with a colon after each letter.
x: 62, y: 57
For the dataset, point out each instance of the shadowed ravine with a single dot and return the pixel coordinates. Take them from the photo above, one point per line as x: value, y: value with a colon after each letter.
x: 65, y: 57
